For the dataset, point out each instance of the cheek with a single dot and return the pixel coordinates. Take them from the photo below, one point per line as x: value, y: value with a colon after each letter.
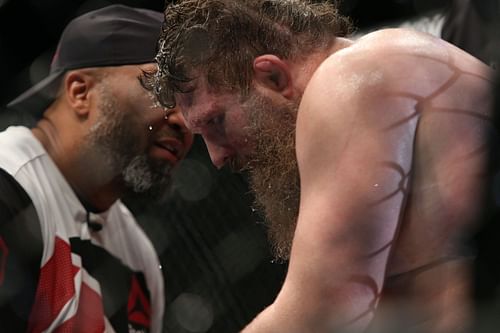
x: 154, y: 118
x: 147, y: 114
x: 137, y: 122
x: 239, y: 134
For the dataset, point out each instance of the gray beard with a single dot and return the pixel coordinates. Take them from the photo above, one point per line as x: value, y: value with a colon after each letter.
x: 112, y: 146
x: 140, y: 176
x: 137, y: 175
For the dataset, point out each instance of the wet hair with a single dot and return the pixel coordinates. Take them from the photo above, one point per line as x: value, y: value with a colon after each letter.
x: 221, y: 38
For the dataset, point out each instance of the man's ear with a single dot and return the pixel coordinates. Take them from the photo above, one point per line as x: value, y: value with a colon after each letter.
x: 77, y: 85
x: 273, y: 73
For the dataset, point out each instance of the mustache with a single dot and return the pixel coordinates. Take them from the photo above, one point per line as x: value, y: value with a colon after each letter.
x: 169, y: 132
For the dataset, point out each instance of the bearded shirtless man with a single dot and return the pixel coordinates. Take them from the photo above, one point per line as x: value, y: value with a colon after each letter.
x: 368, y: 157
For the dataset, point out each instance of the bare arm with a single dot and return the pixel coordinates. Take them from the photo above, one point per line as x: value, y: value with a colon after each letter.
x: 354, y: 154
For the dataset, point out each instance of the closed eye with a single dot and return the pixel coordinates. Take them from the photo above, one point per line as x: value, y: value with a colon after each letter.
x: 213, y: 127
x: 216, y: 121
x: 185, y: 100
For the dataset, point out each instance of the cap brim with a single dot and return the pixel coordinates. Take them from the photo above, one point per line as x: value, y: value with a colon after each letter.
x: 38, y: 97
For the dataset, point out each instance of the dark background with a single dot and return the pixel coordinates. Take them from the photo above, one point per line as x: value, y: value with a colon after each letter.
x: 212, y: 244
x: 30, y: 29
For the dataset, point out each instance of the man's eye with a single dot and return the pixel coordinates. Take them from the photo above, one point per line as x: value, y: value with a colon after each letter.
x: 216, y: 121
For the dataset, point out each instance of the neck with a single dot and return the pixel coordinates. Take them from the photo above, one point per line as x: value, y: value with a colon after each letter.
x: 94, y: 193
x: 98, y: 199
x: 303, y: 70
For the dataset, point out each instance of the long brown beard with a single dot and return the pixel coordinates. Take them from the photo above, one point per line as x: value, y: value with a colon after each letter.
x: 274, y: 176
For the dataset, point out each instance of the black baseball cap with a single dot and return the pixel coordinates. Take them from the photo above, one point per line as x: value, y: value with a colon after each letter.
x: 111, y: 36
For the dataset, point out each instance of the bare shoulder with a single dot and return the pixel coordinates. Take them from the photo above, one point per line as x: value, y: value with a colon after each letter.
x: 411, y: 43
x: 395, y: 62
x: 385, y: 78
x: 417, y: 48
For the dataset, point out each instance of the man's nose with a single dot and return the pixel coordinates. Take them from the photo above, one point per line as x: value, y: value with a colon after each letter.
x: 176, y: 121
x: 218, y: 154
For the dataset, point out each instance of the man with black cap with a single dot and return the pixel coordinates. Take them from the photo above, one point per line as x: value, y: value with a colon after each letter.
x: 72, y: 257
